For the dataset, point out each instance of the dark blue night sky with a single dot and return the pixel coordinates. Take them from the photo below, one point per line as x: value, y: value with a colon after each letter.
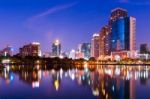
x: 71, y: 21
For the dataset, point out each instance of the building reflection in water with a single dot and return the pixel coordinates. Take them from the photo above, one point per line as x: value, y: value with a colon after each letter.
x: 106, y: 82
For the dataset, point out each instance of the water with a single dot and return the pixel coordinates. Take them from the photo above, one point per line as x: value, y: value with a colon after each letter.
x: 106, y: 82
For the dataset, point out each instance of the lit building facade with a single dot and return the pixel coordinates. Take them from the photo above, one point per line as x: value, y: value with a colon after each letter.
x: 104, y: 45
x: 79, y: 55
x: 122, y: 31
x: 8, y: 51
x: 32, y: 49
x: 72, y: 54
x: 95, y: 46
x: 85, y: 48
x: 56, y: 48
x: 117, y: 13
x: 132, y: 27
x: 123, y: 34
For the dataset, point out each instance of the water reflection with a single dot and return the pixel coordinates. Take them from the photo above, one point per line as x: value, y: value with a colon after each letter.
x: 106, y: 82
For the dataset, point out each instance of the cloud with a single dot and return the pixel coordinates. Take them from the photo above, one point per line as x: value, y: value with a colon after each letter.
x: 55, y: 9
x: 30, y: 21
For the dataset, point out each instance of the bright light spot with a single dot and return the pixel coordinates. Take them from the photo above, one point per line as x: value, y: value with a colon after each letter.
x: 12, y: 49
x: 35, y: 43
x: 35, y: 84
x: 66, y: 75
x: 85, y: 65
x: 113, y: 88
x: 73, y: 51
x: 11, y: 77
x: 117, y: 71
x: 56, y: 84
x: 57, y: 42
x: 7, y: 68
x: 72, y: 76
x: 61, y: 56
x: 113, y: 41
x: 6, y: 61
x: 39, y: 74
x: 83, y: 78
x: 96, y: 92
x: 108, y: 71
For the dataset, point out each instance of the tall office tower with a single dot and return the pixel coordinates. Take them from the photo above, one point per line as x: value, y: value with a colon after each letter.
x: 123, y: 34
x: 132, y: 27
x: 56, y: 48
x: 95, y: 46
x: 104, y: 45
x: 32, y: 49
x: 117, y: 13
x: 85, y: 48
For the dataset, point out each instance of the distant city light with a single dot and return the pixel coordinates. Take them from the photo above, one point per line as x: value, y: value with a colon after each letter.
x: 6, y: 61
x: 56, y: 84
x: 57, y: 42
x: 35, y: 84
x: 35, y: 43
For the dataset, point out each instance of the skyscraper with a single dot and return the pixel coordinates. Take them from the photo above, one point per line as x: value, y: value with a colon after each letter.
x: 56, y: 48
x: 132, y: 27
x: 122, y: 30
x: 123, y: 34
x: 118, y: 35
x: 106, y: 31
x: 85, y: 48
x: 117, y: 13
x: 104, y: 42
x: 95, y: 46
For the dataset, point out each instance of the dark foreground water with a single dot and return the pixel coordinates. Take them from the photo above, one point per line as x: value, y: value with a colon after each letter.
x: 106, y: 82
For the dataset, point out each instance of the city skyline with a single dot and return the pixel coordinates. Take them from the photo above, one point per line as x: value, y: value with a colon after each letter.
x: 74, y: 49
x: 51, y: 20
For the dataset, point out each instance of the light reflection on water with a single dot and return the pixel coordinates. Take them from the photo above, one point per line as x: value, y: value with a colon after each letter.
x: 106, y: 82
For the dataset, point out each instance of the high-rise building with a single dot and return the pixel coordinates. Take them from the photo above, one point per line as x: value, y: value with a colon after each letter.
x: 72, y: 54
x: 104, y: 44
x: 132, y: 27
x: 117, y: 13
x: 118, y: 35
x: 95, y: 46
x: 8, y: 51
x: 85, y: 48
x: 106, y: 31
x: 122, y: 30
x: 32, y: 49
x: 56, y: 48
x: 123, y: 34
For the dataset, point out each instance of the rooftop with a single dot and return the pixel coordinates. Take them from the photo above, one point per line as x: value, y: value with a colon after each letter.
x: 118, y: 9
